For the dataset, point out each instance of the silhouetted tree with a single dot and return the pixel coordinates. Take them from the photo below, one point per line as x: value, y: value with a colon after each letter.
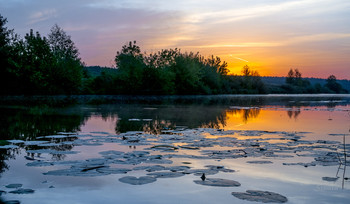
x: 10, y: 83
x: 32, y: 63
x: 67, y: 69
x: 298, y: 81
x: 333, y: 85
x: 290, y: 77
x: 246, y: 70
x: 130, y: 64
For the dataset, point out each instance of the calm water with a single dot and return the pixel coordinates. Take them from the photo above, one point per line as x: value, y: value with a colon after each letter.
x: 296, y: 146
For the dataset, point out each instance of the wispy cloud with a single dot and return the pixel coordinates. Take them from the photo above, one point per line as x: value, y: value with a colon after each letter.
x: 42, y: 15
x: 317, y: 37
x: 244, y: 44
x: 241, y: 59
x: 276, y: 33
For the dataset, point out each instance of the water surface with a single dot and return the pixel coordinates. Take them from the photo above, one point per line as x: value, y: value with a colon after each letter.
x: 290, y: 145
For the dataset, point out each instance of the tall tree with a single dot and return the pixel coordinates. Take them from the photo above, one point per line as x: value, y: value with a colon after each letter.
x: 290, y: 77
x: 131, y: 65
x: 246, y: 71
x: 67, y: 69
x: 333, y: 85
x: 32, y: 63
x: 62, y: 45
x: 298, y: 78
x: 6, y: 78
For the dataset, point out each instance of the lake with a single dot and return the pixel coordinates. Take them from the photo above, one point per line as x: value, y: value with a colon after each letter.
x: 193, y: 149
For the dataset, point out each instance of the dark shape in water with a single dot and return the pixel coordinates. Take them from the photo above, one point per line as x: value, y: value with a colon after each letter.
x: 203, y: 177
x: 92, y: 168
x: 10, y: 202
x: 29, y: 158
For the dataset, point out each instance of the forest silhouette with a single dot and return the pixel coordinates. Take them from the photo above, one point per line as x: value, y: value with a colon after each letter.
x: 40, y: 65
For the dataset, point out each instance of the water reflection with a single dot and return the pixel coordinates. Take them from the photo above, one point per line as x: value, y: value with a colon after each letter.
x: 23, y: 123
x: 28, y: 123
x: 5, y: 154
x: 246, y: 113
x: 293, y: 113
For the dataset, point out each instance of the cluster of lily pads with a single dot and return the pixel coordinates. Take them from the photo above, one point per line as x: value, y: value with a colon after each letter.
x: 158, y: 151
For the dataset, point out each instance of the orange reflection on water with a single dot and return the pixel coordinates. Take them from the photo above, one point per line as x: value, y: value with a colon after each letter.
x: 321, y: 123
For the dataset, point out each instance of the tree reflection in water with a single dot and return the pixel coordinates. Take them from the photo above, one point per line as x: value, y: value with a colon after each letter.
x: 28, y: 123
x: 293, y: 113
x: 246, y: 113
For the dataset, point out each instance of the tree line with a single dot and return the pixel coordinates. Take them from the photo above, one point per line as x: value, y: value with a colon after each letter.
x: 169, y: 71
x: 50, y: 65
x: 296, y: 84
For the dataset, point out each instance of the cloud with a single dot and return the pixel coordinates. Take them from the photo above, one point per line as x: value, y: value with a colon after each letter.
x: 42, y: 15
x: 241, y: 59
x: 280, y: 30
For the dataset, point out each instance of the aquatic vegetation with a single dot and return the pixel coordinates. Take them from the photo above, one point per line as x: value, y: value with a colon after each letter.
x: 261, y: 196
x: 137, y: 181
x: 184, y: 156
x: 218, y: 182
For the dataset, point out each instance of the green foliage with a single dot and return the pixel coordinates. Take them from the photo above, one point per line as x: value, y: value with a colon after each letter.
x: 295, y: 84
x: 40, y: 65
x: 333, y: 85
x: 251, y: 82
x: 7, y: 79
x: 167, y: 72
x: 67, y: 69
x: 32, y: 63
x: 294, y: 77
x: 131, y: 66
x: 61, y: 45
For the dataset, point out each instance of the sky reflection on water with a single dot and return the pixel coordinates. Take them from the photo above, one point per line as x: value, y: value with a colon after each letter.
x: 271, y: 125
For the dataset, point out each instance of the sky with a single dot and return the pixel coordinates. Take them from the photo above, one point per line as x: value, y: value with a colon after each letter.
x: 270, y: 36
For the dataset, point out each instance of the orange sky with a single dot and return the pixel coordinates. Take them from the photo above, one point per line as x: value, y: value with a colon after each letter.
x: 270, y: 36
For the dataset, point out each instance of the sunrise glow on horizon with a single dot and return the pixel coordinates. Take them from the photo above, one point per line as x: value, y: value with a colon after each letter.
x: 269, y: 36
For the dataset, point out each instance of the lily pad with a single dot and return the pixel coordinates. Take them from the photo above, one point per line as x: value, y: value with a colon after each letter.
x: 260, y: 196
x: 199, y: 172
x: 12, y: 202
x: 33, y: 143
x: 150, y: 168
x: 166, y: 174
x: 259, y: 162
x: 218, y: 182
x: 14, y: 185
x: 137, y: 181
x: 8, y: 147
x: 330, y: 178
x: 51, y: 151
x: 178, y: 168
x: 220, y: 168
x: 15, y: 141
x: 22, y: 191
x: 107, y: 170
x: 164, y: 147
